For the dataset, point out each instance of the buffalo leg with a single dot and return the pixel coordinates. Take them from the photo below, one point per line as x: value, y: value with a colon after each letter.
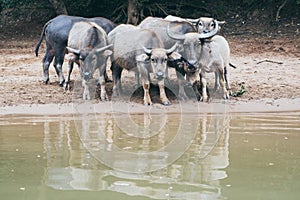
x: 147, y: 98
x: 163, y: 97
x: 137, y: 79
x: 70, y: 69
x: 107, y: 80
x: 49, y: 55
x: 102, y: 73
x: 204, y: 86
x: 217, y: 85
x: 116, y: 74
x: 223, y: 84
x: 196, y: 87
x: 145, y: 78
x: 226, y: 75
x: 58, y: 63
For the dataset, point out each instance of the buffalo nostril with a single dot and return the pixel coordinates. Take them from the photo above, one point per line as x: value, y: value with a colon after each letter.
x: 206, y: 31
x: 159, y: 74
x: 87, y: 75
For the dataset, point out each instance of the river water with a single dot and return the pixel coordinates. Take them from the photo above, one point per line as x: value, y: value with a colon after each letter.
x: 150, y: 156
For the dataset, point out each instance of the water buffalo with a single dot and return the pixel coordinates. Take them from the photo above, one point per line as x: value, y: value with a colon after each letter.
x: 207, y: 26
x: 202, y: 24
x: 159, y: 26
x: 212, y: 55
x: 141, y: 50
x: 83, y: 38
x: 56, y: 32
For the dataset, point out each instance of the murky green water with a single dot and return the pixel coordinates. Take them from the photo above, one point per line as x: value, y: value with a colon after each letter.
x: 176, y: 157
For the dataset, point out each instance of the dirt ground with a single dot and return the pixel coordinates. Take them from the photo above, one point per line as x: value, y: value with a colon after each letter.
x: 267, y: 67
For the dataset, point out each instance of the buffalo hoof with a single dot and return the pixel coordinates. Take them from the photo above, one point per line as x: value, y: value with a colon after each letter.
x: 46, y: 82
x: 104, y: 99
x: 67, y: 86
x: 167, y: 103
x: 203, y: 99
x: 148, y: 104
x: 61, y: 84
x: 226, y: 97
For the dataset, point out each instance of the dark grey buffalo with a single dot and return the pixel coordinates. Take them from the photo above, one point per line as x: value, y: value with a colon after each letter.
x: 88, y: 43
x: 56, y: 32
x: 141, y: 50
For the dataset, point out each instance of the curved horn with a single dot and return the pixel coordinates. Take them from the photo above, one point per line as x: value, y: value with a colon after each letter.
x: 172, y: 49
x: 221, y: 22
x: 173, y: 35
x: 193, y: 21
x: 103, y: 48
x: 147, y: 51
x: 71, y: 50
x: 211, y: 33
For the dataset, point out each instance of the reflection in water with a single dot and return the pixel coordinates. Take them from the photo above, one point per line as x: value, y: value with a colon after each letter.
x: 195, y: 175
x: 53, y: 157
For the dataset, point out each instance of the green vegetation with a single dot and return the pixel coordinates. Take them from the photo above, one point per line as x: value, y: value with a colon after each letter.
x: 117, y: 9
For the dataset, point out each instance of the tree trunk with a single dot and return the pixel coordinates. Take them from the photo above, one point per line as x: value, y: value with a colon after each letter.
x: 59, y: 7
x: 132, y: 12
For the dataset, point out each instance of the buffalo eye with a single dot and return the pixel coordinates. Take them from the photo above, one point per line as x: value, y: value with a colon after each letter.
x: 200, y: 24
x: 212, y: 24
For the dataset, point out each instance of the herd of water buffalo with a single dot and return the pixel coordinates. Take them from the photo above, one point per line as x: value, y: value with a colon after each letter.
x: 191, y: 46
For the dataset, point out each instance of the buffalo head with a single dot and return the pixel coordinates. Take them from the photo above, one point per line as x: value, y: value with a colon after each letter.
x: 158, y: 58
x: 90, y: 59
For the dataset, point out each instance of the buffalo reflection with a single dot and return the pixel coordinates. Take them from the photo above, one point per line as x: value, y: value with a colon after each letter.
x: 196, y: 174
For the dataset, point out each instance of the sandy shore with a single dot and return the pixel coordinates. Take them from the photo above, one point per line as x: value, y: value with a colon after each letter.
x: 228, y: 107
x: 268, y: 69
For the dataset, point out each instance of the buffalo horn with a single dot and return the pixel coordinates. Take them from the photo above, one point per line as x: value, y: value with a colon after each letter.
x: 193, y: 21
x: 174, y: 35
x: 75, y: 51
x: 147, y: 51
x: 210, y: 34
x: 103, y: 48
x: 221, y: 22
x: 172, y: 49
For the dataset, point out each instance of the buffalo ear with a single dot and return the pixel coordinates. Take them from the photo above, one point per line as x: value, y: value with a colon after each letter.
x: 142, y: 57
x: 175, y: 56
x: 107, y: 53
x: 71, y: 57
